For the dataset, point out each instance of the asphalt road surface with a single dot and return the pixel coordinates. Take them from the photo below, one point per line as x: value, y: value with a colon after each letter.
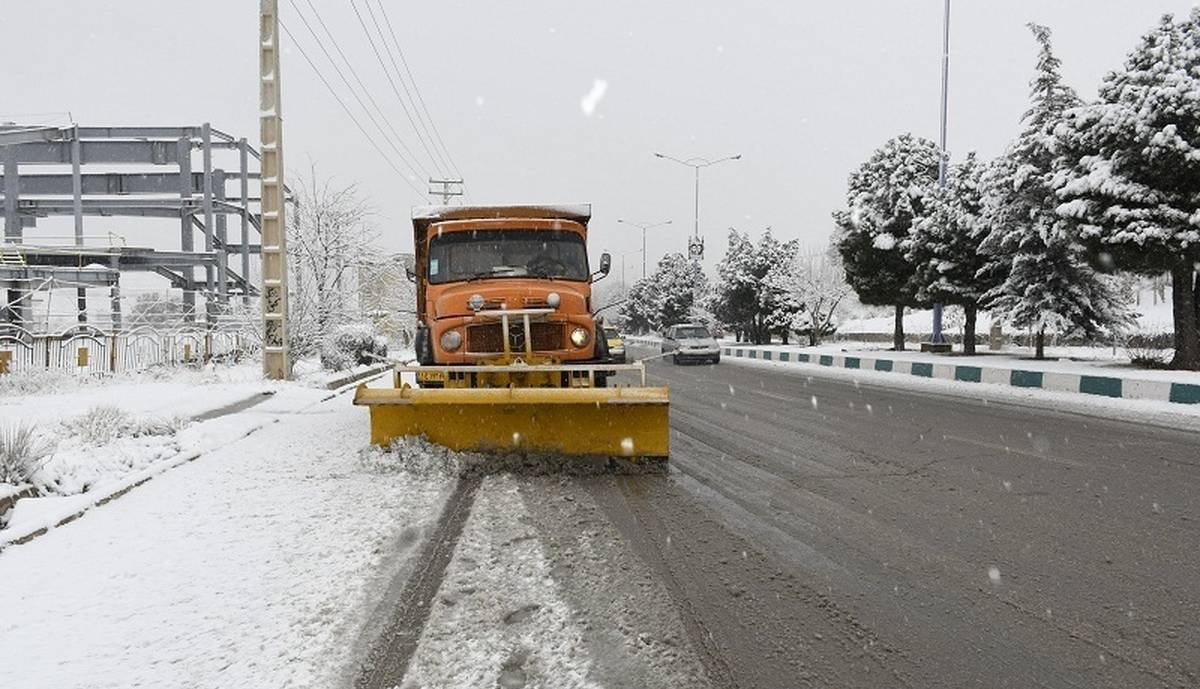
x: 817, y: 532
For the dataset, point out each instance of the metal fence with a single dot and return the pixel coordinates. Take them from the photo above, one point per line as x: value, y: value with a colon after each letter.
x: 88, y: 350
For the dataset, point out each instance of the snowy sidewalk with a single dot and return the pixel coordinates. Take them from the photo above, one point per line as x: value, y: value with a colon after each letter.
x: 255, y: 565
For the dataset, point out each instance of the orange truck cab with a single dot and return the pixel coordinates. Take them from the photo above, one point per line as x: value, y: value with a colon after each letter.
x: 505, y: 284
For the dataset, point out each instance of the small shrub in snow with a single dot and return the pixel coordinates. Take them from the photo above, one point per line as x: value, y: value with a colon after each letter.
x: 37, y: 380
x: 103, y: 424
x: 1149, y: 350
x: 22, y: 452
x: 100, y: 425
x: 350, y: 346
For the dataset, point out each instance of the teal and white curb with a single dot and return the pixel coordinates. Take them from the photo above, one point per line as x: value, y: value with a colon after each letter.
x: 1105, y: 386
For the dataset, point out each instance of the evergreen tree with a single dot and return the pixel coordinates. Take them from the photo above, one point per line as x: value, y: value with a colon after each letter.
x: 667, y: 297
x: 944, y: 247
x: 1050, y: 285
x: 1130, y: 177
x: 755, y: 294
x: 884, y: 196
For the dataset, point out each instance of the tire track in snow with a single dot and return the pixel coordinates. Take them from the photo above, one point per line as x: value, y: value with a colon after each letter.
x: 388, y: 660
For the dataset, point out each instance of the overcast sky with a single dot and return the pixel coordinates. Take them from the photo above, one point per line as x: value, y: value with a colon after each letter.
x: 803, y: 90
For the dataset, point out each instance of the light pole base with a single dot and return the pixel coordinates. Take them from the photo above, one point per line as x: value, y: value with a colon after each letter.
x: 936, y: 347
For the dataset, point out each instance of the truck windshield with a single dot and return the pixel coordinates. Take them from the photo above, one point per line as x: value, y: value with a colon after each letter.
x: 483, y: 254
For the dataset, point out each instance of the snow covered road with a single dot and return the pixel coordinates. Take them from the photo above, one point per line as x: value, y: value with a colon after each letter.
x: 254, y: 566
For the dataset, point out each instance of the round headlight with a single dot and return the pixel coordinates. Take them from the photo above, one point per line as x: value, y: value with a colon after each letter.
x: 451, y: 340
x: 579, y: 337
x: 553, y: 300
x: 475, y: 301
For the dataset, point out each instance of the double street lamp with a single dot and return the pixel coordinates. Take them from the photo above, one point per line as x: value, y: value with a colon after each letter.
x: 643, y: 226
x: 696, y: 246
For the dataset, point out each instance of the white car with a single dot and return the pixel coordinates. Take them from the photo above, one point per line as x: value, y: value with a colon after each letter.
x: 688, y: 342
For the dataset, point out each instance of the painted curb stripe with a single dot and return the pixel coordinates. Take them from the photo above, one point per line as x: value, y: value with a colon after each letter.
x: 883, y: 365
x: 923, y: 369
x: 826, y: 360
x: 1026, y: 379
x: 1098, y: 385
x: 968, y: 374
x: 1184, y: 393
x: 853, y: 362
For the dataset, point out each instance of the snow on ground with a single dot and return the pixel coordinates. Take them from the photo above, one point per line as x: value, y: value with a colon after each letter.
x: 254, y: 565
x: 500, y: 619
x: 1152, y: 318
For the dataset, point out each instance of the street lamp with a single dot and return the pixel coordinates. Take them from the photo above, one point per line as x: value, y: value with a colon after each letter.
x: 937, y: 308
x: 696, y: 164
x: 643, y: 226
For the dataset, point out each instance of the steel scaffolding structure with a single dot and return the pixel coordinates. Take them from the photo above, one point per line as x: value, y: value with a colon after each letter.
x: 96, y: 185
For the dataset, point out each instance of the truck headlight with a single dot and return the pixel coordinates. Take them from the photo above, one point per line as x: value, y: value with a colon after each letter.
x: 579, y: 337
x: 553, y: 300
x: 451, y: 340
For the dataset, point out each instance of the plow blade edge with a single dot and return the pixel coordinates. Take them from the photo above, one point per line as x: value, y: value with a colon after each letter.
x: 617, y: 422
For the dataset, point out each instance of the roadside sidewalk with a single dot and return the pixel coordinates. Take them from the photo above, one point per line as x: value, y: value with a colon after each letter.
x: 1082, y: 377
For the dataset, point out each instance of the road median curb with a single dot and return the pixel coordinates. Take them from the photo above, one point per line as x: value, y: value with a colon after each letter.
x: 1120, y: 387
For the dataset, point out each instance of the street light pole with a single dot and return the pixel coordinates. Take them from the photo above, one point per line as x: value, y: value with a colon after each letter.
x: 643, y: 226
x: 696, y: 164
x: 937, y: 308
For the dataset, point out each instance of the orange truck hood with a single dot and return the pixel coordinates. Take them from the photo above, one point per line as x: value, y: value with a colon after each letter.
x: 510, y: 293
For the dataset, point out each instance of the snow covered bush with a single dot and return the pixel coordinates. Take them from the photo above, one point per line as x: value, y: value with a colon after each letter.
x: 757, y: 292
x: 22, y: 452
x: 37, y: 380
x: 350, y: 346
x: 103, y: 424
x: 667, y: 297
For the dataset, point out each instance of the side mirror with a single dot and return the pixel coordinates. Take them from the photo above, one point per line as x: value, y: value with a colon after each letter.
x: 408, y: 272
x: 605, y: 263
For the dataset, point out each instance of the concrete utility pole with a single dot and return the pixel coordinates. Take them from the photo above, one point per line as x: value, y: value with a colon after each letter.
x: 696, y: 244
x: 937, y: 308
x: 450, y: 188
x: 643, y: 226
x: 277, y: 363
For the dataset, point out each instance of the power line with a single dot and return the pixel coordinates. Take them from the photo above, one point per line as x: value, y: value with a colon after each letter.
x: 417, y: 169
x: 420, y: 98
x: 392, y: 58
x: 358, y: 79
x: 350, y: 114
x: 391, y: 81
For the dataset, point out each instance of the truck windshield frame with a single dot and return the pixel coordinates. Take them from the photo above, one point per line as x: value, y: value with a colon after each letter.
x: 507, y: 253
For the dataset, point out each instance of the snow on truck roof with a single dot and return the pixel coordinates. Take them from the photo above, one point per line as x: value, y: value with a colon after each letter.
x: 579, y: 212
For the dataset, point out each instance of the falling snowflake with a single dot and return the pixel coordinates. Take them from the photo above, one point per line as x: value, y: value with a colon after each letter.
x: 814, y: 401
x: 627, y: 446
x: 516, y: 439
x: 589, y: 102
x: 994, y: 574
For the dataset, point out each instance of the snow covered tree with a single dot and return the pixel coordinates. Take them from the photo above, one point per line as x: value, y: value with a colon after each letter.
x: 820, y: 289
x: 639, y: 309
x: 884, y: 196
x: 756, y: 294
x: 328, y: 239
x: 680, y: 284
x: 1130, y: 181
x: 944, y: 246
x: 1050, y: 285
x: 667, y: 297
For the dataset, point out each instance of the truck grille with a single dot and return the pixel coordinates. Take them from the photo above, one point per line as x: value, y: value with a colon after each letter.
x: 488, y: 338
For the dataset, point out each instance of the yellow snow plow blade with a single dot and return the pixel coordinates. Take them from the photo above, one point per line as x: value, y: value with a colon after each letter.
x: 617, y: 422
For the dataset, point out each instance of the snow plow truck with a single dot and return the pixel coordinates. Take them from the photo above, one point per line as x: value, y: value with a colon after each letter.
x: 511, y: 356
